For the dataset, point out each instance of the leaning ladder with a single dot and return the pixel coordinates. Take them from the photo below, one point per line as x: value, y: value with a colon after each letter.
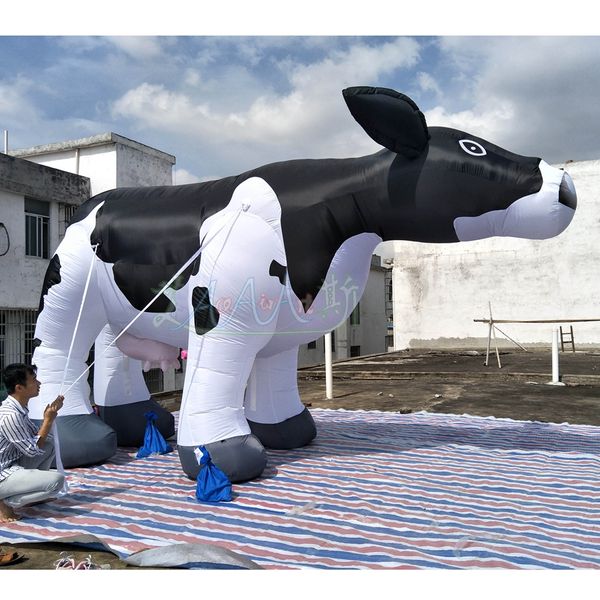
x: 567, y: 337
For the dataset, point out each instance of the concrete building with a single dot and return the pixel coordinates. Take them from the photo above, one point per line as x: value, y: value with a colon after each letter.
x: 66, y: 174
x: 36, y: 203
x: 109, y: 160
x: 440, y: 289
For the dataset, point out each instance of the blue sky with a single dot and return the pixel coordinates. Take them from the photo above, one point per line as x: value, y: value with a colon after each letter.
x: 223, y: 104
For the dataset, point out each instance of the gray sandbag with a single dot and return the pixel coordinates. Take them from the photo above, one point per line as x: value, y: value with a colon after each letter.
x: 241, y: 458
x: 129, y: 422
x: 294, y: 432
x: 84, y: 440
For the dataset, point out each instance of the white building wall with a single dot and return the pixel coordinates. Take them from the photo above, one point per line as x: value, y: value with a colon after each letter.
x: 20, y: 275
x: 440, y: 289
x: 136, y: 168
x: 370, y: 335
x: 108, y: 159
x: 99, y: 163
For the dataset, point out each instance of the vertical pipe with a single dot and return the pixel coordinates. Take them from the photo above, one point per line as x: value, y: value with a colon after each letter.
x: 6, y: 141
x: 555, y: 369
x: 77, y: 153
x: 489, y: 342
x: 328, y: 368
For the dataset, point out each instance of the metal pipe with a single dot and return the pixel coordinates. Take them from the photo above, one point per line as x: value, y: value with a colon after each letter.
x: 555, y: 368
x: 328, y: 368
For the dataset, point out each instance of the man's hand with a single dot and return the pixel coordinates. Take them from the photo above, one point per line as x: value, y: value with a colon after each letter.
x: 51, y: 410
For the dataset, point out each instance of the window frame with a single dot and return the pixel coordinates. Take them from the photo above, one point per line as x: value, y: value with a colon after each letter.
x: 37, y: 229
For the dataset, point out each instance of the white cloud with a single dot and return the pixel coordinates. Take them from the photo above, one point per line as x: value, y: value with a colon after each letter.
x: 428, y: 84
x: 534, y: 95
x: 181, y: 177
x: 138, y: 47
x: 27, y: 123
x: 192, y: 77
x: 488, y: 123
x: 308, y: 119
x: 14, y: 100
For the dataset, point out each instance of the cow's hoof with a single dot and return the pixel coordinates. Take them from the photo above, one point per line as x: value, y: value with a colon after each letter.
x: 241, y: 458
x: 294, y: 432
x: 129, y: 422
x: 84, y: 440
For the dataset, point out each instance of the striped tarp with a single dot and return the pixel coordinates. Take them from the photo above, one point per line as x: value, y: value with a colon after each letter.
x: 375, y: 490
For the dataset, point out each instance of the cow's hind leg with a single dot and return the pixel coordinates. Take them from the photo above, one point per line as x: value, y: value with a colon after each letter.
x: 273, y: 407
x: 84, y: 438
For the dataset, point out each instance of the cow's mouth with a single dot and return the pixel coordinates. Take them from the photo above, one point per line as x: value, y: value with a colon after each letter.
x: 566, y: 193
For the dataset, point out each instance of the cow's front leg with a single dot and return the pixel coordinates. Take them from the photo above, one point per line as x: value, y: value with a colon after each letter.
x: 235, y: 302
x: 273, y: 407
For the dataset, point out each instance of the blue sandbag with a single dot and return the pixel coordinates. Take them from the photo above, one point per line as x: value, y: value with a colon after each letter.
x: 212, y: 483
x: 154, y: 442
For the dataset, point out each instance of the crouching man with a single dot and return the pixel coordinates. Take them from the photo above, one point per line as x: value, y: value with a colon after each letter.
x: 26, y: 453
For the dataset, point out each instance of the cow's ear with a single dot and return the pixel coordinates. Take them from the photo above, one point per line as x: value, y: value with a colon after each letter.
x: 390, y: 118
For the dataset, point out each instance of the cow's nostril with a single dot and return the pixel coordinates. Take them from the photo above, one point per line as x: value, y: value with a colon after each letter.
x: 567, y: 194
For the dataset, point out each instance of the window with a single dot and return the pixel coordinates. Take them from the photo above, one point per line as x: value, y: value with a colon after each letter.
x: 389, y: 288
x: 37, y: 226
x: 355, y: 315
x: 17, y: 327
x: 154, y: 381
x: 65, y: 214
x: 312, y: 345
x: 354, y: 350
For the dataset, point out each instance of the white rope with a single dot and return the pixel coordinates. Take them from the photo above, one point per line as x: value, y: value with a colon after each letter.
x: 85, y: 291
x: 54, y: 429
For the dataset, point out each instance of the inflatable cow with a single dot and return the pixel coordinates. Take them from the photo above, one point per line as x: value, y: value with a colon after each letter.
x: 243, y: 270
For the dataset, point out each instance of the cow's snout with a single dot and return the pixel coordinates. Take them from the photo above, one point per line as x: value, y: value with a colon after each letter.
x: 567, y: 194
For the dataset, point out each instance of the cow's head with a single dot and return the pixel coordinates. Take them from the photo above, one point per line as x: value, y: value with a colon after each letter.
x: 446, y: 185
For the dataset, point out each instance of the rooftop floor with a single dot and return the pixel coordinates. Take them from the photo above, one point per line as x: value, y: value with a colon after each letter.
x: 458, y: 382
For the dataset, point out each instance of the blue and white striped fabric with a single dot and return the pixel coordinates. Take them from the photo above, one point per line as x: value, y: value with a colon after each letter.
x: 375, y: 490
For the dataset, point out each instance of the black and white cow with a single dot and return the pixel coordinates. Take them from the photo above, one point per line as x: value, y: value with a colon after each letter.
x: 285, y: 251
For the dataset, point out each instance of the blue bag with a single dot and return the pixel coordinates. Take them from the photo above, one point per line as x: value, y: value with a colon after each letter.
x: 154, y: 442
x: 212, y: 484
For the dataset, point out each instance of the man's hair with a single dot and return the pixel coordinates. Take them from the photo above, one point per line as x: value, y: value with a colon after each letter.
x: 16, y: 374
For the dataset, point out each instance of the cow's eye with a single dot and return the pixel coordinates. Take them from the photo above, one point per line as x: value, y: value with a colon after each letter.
x: 472, y: 148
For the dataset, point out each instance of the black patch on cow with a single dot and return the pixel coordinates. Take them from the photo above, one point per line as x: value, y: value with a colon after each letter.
x: 52, y: 277
x: 141, y: 283
x: 279, y: 271
x: 206, y: 316
x: 36, y: 342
